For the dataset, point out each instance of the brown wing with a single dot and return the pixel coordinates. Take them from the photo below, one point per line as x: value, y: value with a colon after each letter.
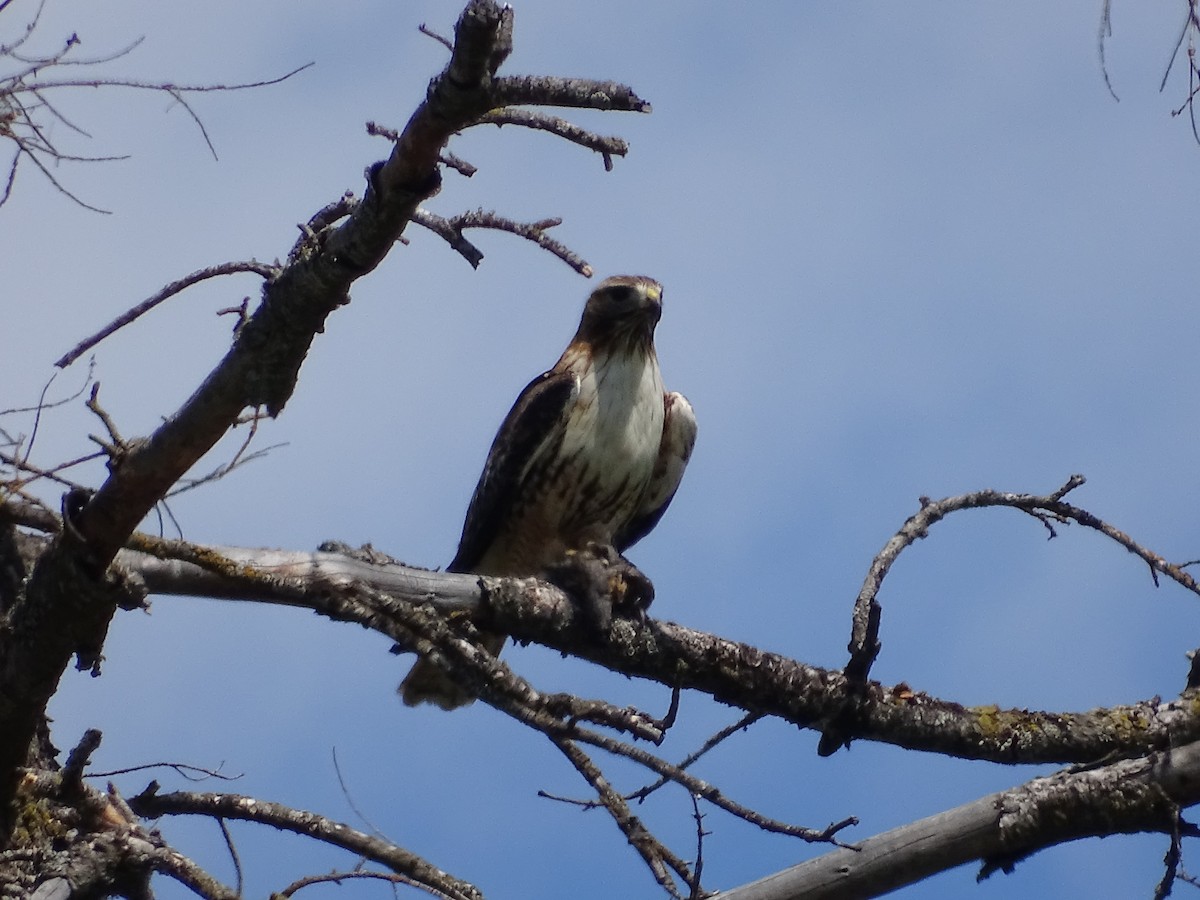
x: 679, y: 436
x: 535, y: 423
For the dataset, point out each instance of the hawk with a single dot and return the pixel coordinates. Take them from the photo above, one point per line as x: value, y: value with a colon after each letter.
x: 591, y: 453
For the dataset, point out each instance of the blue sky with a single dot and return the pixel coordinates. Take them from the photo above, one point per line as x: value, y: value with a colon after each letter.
x: 908, y: 249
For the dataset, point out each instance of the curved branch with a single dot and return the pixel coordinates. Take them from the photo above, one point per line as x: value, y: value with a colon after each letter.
x: 152, y: 804
x: 864, y: 639
x: 170, y: 290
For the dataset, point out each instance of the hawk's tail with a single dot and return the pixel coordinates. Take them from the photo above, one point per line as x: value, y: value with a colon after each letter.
x: 427, y: 682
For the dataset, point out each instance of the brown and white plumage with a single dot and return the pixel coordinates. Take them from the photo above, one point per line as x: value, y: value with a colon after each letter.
x: 592, y: 452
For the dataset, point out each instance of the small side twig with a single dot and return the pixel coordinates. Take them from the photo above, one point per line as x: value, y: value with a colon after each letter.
x: 115, y: 444
x: 446, y: 158
x: 451, y: 230
x: 701, y: 834
x: 1173, y: 855
x: 461, y: 166
x: 569, y: 93
x: 429, y: 32
x: 78, y: 760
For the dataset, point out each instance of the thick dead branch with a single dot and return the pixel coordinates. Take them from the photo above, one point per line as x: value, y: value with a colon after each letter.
x: 1130, y: 796
x: 387, y: 597
x: 580, y: 93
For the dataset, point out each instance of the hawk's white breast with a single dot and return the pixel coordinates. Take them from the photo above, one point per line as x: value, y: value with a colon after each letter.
x: 609, y: 446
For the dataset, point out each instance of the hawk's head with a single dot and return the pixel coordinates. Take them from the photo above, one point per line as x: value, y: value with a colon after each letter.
x: 622, y: 310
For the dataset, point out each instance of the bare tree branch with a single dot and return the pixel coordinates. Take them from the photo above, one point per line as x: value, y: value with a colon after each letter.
x: 451, y: 230
x: 1130, y: 796
x: 170, y: 290
x: 1051, y: 509
x: 607, y: 147
x: 152, y: 804
x: 342, y: 587
x: 25, y: 109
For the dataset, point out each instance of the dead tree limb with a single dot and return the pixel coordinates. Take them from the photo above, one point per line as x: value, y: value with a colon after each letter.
x: 1129, y: 796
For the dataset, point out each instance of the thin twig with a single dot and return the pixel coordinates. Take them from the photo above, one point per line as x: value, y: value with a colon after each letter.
x: 261, y: 269
x: 698, y: 870
x: 350, y: 799
x: 338, y: 877
x: 233, y: 854
x: 429, y: 32
x: 50, y: 474
x: 1105, y: 32
x: 1183, y: 31
x: 660, y: 860
x: 740, y: 725
x: 44, y: 404
x: 190, y: 772
x: 173, y: 89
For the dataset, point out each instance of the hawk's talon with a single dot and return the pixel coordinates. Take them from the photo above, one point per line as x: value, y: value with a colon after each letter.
x: 603, y: 583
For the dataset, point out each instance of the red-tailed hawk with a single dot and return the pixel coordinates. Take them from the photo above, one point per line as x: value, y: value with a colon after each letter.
x: 592, y: 452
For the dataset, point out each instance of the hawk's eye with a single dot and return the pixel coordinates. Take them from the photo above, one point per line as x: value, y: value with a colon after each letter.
x: 622, y: 293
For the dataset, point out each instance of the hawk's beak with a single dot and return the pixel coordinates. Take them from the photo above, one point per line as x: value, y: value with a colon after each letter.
x: 653, y: 304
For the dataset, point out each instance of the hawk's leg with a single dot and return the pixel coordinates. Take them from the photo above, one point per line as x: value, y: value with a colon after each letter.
x: 603, y: 583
